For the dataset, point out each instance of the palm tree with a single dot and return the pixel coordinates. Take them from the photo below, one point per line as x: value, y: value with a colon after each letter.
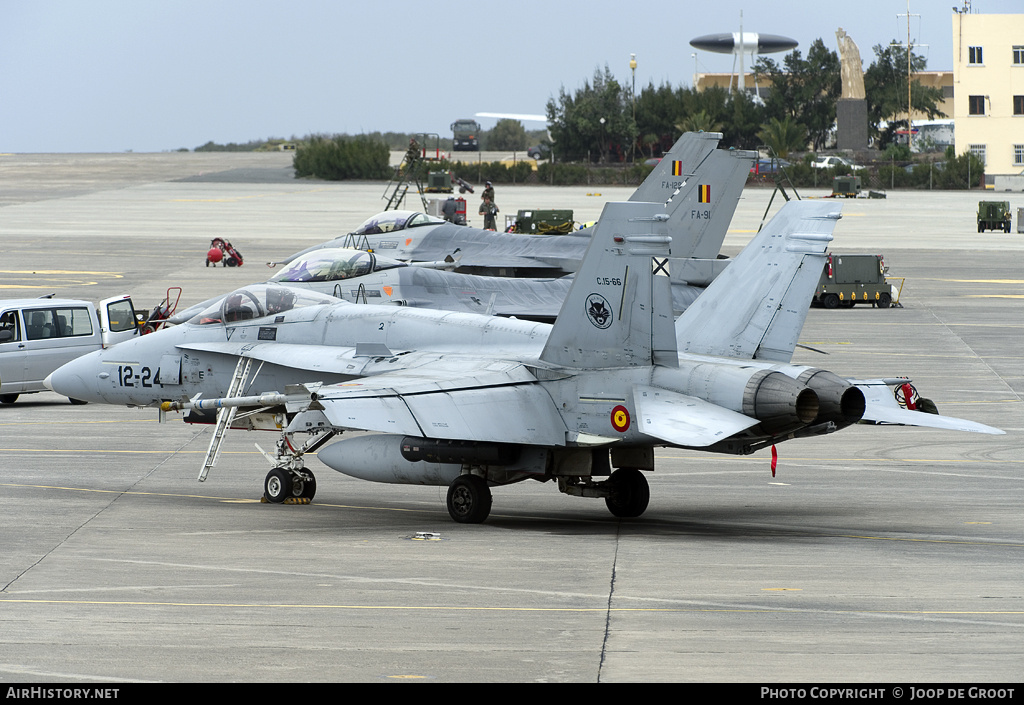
x: 699, y: 122
x: 783, y: 136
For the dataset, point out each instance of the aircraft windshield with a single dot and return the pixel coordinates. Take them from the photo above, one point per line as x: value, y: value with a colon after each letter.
x: 258, y: 301
x: 327, y: 265
x: 389, y: 221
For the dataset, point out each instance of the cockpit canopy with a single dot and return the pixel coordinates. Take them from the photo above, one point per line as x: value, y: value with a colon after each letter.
x: 257, y: 301
x: 332, y: 264
x: 389, y: 221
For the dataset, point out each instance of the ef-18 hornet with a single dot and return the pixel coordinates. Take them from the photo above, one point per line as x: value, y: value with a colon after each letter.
x: 475, y: 402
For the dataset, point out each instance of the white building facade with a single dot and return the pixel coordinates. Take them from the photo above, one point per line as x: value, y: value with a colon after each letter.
x: 988, y: 95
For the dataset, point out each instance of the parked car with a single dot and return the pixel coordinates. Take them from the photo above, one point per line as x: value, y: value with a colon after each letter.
x: 539, y: 151
x: 768, y: 166
x: 833, y: 161
x: 39, y: 335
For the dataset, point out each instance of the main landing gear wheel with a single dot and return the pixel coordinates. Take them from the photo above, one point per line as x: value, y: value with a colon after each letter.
x: 469, y: 499
x: 630, y: 493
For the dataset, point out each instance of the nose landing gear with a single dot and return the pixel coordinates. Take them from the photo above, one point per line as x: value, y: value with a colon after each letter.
x: 289, y: 481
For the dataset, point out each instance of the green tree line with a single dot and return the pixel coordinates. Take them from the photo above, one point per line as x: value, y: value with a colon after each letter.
x: 603, y: 121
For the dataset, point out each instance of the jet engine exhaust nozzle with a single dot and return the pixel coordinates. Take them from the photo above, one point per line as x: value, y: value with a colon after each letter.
x: 839, y: 401
x: 779, y: 402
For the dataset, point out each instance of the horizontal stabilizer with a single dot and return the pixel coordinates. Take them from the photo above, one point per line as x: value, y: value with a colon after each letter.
x: 684, y: 420
x: 881, y: 407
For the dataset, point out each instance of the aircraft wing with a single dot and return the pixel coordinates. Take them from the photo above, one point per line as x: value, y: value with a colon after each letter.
x: 881, y: 407
x: 488, y: 401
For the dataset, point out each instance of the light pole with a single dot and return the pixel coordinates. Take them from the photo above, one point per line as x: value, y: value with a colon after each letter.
x: 632, y: 67
x: 602, y: 140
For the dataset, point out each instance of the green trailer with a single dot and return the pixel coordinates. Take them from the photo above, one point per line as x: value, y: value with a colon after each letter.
x: 847, y: 280
x: 994, y: 215
x: 544, y: 221
x: 847, y: 186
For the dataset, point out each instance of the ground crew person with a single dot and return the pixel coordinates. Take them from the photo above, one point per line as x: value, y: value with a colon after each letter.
x: 448, y: 209
x: 412, y: 154
x: 489, y: 211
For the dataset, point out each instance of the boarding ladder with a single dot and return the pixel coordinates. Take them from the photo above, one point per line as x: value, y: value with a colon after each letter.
x: 226, y: 415
x: 779, y: 188
x: 399, y: 186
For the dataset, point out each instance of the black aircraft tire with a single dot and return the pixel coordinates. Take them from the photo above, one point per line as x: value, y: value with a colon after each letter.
x: 630, y: 493
x: 8, y: 398
x: 469, y: 499
x: 277, y: 487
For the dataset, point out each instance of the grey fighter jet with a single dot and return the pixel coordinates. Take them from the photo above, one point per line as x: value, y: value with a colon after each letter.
x: 367, y: 277
x: 475, y: 402
x: 693, y: 171
x: 701, y: 184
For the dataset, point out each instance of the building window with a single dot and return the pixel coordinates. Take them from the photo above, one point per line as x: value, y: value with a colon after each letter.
x: 1018, y: 155
x: 978, y: 150
x: 1018, y: 56
x: 974, y: 55
x: 1018, y: 105
x: 976, y: 105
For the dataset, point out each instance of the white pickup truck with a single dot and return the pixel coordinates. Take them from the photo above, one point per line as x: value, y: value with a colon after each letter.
x: 39, y: 335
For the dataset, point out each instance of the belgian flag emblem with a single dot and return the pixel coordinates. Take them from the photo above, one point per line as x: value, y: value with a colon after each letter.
x: 704, y: 193
x: 677, y: 168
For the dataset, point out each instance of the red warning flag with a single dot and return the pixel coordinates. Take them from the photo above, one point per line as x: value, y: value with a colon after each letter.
x: 775, y: 459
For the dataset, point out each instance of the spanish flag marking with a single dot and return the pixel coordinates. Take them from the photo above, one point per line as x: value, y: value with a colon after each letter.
x: 677, y: 168
x: 704, y: 193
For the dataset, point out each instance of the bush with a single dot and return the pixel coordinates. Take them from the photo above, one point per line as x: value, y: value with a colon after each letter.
x: 567, y: 174
x: 339, y: 158
x: 496, y: 172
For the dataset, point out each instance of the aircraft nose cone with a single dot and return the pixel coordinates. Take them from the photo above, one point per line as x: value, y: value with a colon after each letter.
x: 73, y: 379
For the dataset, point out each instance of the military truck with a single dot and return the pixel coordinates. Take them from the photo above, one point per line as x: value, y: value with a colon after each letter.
x: 994, y: 215
x: 853, y: 279
x: 466, y: 136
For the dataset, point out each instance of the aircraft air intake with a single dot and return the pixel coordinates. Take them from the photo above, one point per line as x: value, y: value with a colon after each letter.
x: 780, y: 403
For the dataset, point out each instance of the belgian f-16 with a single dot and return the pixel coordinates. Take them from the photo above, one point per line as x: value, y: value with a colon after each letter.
x: 367, y: 277
x: 475, y: 402
x: 701, y: 184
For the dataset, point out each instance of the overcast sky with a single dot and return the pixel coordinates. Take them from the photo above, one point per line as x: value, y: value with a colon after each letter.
x: 158, y: 75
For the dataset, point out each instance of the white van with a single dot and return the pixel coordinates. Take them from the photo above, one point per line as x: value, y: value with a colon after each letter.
x: 39, y: 335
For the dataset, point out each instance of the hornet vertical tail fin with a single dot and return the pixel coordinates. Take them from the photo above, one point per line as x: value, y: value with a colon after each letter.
x: 756, y: 308
x: 618, y: 312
